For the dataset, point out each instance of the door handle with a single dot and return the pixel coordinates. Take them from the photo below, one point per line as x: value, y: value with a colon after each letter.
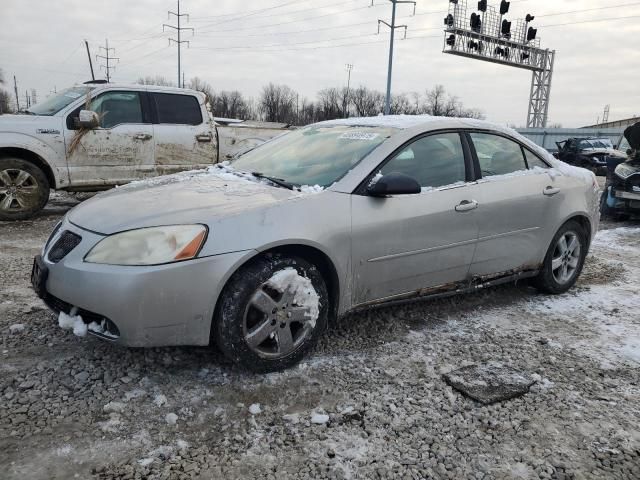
x: 466, y: 205
x: 203, y: 138
x: 550, y: 191
x: 143, y: 136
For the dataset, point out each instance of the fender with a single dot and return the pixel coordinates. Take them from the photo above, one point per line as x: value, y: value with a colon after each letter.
x: 55, y: 160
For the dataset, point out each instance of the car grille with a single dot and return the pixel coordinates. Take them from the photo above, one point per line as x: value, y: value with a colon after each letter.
x: 53, y: 234
x: 633, y: 183
x: 67, y: 242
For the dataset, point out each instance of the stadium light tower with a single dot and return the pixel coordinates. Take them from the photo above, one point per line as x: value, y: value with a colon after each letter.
x: 490, y: 37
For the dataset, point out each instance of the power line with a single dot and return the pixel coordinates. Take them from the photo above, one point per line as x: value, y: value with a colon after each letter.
x: 315, y: 17
x: 250, y: 14
x: 178, y: 29
x: 107, y: 57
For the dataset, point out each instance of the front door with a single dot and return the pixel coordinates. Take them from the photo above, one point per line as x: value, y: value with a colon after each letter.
x: 184, y: 140
x: 119, y: 150
x: 402, y: 244
x: 517, y: 197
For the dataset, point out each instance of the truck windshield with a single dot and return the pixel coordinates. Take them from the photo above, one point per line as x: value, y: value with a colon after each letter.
x: 55, y: 103
x: 315, y: 155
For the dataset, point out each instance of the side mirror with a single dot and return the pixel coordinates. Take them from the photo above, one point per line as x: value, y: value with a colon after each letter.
x: 88, y: 119
x: 394, y: 184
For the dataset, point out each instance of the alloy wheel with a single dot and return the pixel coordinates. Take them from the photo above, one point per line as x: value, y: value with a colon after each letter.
x: 566, y: 257
x: 273, y: 324
x: 18, y: 190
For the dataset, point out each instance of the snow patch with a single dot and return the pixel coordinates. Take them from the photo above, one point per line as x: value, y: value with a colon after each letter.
x: 319, y: 418
x: 171, y: 418
x: 73, y: 321
x: 304, y: 294
x: 311, y: 189
x: 16, y: 328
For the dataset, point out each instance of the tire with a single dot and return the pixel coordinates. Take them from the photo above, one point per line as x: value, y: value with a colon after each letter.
x: 554, y: 281
x: 248, y: 327
x: 24, y: 189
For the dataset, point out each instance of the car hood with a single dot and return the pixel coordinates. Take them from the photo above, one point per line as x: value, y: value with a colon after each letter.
x: 186, y: 198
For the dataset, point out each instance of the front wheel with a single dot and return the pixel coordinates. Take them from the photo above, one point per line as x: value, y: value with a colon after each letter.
x: 564, y: 260
x: 271, y: 313
x: 24, y: 189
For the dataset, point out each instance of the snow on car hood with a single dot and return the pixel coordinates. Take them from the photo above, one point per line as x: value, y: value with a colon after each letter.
x: 198, y: 196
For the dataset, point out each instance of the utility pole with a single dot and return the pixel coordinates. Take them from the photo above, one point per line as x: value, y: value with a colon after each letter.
x: 93, y: 77
x: 107, y: 57
x: 179, y: 41
x: 346, y: 99
x: 392, y: 26
x: 15, y: 89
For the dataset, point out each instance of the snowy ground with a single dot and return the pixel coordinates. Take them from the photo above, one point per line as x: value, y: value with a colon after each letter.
x: 369, y: 403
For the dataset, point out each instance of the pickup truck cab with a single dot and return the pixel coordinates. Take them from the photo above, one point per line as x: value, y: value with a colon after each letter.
x: 95, y: 136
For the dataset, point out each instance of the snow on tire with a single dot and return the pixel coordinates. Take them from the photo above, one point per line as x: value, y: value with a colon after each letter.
x: 271, y: 313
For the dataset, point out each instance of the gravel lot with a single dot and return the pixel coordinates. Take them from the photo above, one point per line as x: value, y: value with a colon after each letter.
x: 369, y: 403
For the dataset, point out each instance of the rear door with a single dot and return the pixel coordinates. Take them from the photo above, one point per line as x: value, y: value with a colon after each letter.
x: 517, y: 199
x: 406, y: 243
x: 184, y: 138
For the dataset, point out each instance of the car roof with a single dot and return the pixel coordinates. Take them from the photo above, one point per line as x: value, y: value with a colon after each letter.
x: 137, y: 86
x: 425, y: 122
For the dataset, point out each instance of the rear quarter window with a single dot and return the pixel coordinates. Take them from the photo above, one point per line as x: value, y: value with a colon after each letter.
x: 177, y: 109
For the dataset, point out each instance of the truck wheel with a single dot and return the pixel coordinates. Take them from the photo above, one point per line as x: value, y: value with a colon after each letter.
x: 564, y: 260
x: 271, y: 313
x: 24, y: 189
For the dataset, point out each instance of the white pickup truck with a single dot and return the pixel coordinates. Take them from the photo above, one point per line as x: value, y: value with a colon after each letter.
x: 95, y: 136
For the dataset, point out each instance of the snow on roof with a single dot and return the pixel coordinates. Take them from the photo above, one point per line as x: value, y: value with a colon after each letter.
x: 392, y: 121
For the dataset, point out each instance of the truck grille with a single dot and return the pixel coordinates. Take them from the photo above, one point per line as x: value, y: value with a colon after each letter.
x: 67, y: 242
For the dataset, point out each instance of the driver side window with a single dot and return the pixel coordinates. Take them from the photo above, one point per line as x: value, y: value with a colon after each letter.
x: 433, y: 161
x: 115, y: 108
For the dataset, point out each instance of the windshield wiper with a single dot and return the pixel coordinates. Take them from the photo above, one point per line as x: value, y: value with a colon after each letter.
x: 278, y: 181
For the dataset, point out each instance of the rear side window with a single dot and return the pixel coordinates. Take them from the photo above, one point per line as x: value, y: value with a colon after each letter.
x: 498, y: 155
x: 177, y: 109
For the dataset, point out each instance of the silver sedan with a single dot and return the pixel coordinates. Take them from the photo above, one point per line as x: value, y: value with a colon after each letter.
x: 257, y: 256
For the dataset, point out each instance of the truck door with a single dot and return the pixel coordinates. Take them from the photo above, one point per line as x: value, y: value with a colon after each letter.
x: 185, y: 139
x: 119, y: 150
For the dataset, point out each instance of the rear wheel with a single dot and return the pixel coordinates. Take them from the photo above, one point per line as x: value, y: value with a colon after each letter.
x: 24, y: 189
x: 271, y: 313
x: 564, y: 260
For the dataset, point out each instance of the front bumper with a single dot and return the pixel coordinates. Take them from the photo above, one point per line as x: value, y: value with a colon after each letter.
x: 155, y: 306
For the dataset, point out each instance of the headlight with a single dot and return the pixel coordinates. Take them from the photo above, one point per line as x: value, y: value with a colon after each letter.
x: 149, y: 246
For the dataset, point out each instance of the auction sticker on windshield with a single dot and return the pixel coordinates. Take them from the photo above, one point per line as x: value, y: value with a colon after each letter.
x: 359, y: 136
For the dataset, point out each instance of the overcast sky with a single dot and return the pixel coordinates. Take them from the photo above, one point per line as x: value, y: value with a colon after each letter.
x: 306, y: 44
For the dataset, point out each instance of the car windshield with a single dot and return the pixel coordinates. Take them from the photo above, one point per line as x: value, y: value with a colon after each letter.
x: 315, y: 155
x: 596, y: 143
x: 55, y: 103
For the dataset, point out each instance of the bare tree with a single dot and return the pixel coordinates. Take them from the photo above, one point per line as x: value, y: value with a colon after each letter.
x: 5, y: 98
x: 201, y: 86
x: 440, y: 104
x: 157, y: 80
x: 231, y: 105
x: 278, y: 103
x: 367, y: 102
